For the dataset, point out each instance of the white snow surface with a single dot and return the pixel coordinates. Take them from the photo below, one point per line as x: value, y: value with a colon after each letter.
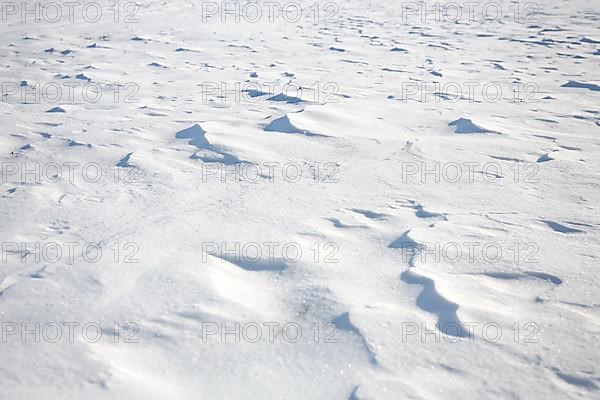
x: 177, y: 190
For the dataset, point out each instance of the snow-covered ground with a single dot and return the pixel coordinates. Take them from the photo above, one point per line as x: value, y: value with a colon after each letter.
x: 352, y: 199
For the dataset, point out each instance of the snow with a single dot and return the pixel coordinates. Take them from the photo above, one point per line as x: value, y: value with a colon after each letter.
x: 354, y: 204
